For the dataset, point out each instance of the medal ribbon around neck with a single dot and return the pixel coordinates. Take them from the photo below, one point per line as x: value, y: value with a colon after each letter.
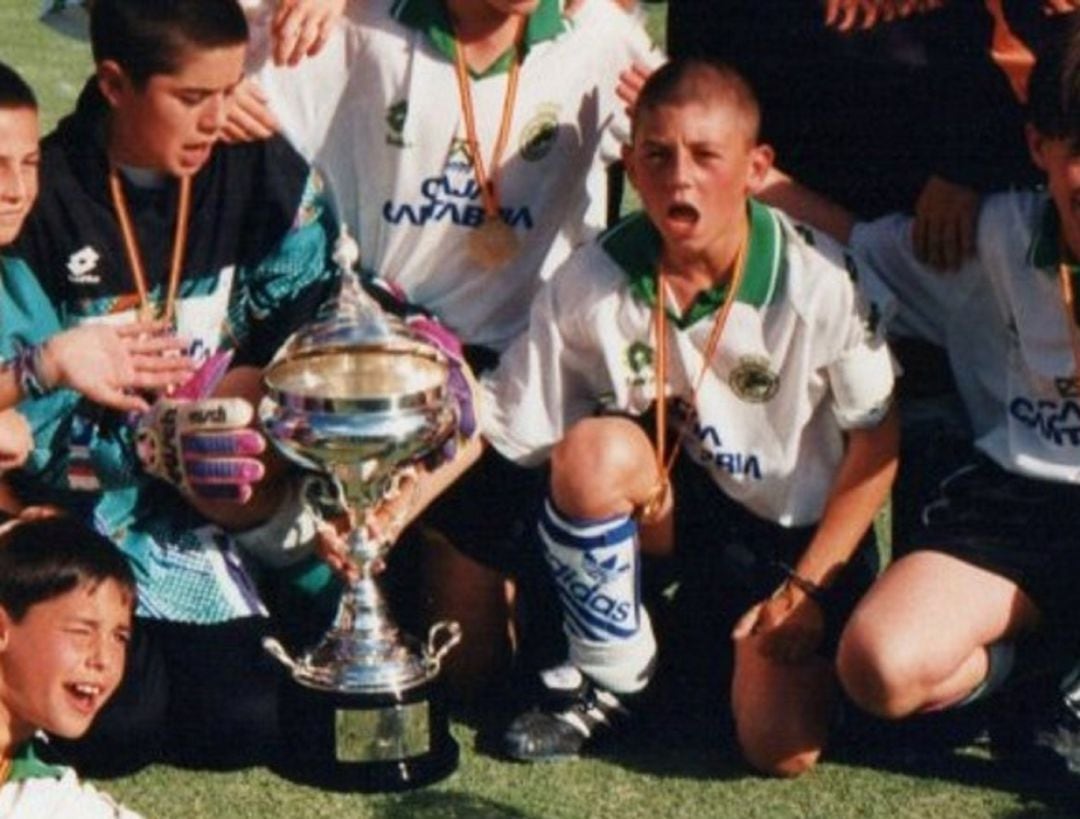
x: 488, y: 182
x: 5, y: 769
x: 664, y: 461
x: 1069, y: 301
x: 134, y: 254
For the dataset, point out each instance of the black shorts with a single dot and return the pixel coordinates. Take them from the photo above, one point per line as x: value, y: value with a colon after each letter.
x: 1023, y: 529
x: 728, y: 559
x: 490, y: 512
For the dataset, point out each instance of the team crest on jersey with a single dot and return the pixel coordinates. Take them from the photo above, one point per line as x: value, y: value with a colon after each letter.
x: 753, y: 381
x: 396, y: 115
x: 459, y: 153
x: 639, y: 360
x: 540, y: 133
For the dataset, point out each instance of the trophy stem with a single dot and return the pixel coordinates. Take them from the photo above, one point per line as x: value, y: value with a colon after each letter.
x: 362, y: 611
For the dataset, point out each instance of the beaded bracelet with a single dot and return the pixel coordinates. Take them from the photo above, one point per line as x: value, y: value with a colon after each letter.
x: 27, y: 367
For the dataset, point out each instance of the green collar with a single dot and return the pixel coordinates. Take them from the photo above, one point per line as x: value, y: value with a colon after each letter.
x: 634, y: 244
x: 1046, y: 248
x: 432, y: 18
x: 26, y: 765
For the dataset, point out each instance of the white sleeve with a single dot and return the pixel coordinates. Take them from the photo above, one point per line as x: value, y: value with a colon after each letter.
x: 921, y: 300
x: 628, y: 43
x: 304, y: 97
x: 45, y: 797
x: 862, y: 374
x: 546, y: 381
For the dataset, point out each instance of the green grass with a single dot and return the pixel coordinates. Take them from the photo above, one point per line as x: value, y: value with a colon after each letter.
x: 660, y: 777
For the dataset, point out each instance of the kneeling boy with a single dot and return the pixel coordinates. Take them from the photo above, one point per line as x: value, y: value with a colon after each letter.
x: 994, y: 555
x: 780, y: 394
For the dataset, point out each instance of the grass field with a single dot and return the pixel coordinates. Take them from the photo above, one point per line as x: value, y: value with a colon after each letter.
x: 660, y: 776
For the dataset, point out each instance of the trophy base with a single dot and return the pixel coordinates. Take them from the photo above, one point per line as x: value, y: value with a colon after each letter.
x: 369, y: 742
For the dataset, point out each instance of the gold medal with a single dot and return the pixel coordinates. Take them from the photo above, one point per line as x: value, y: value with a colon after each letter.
x: 494, y: 244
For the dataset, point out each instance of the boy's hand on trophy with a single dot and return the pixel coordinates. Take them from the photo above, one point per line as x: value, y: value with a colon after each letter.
x: 205, y: 448
x: 331, y: 545
x: 382, y: 523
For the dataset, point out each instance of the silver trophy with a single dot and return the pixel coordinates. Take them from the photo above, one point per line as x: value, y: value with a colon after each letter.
x: 356, y: 396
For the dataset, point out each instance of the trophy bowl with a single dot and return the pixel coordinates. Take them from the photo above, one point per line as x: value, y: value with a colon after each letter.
x: 356, y: 396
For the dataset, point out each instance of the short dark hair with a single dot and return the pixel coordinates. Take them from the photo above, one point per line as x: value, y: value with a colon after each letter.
x: 45, y: 558
x: 676, y: 81
x: 1054, y: 87
x: 148, y: 37
x: 14, y: 92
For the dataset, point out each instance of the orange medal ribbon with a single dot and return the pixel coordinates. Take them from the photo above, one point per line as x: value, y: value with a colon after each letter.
x: 494, y: 243
x: 134, y: 255
x: 665, y: 462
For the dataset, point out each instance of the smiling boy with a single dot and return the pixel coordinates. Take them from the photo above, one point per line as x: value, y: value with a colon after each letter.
x: 779, y: 395
x: 66, y: 601
x: 99, y: 362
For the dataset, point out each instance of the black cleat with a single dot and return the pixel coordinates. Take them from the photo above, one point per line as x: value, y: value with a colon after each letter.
x: 573, y: 711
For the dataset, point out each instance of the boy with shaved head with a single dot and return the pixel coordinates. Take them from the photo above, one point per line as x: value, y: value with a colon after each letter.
x: 772, y: 446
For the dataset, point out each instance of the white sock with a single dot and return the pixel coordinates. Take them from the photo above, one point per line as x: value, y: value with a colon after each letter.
x: 597, y: 574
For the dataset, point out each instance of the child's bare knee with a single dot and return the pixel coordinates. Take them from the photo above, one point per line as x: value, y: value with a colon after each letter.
x: 881, y: 676
x: 599, y: 463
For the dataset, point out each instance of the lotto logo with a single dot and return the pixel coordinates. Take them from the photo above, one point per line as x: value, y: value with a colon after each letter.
x: 81, y: 264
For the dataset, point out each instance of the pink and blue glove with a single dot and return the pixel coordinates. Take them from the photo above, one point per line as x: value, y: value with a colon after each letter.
x: 203, y: 446
x: 439, y: 336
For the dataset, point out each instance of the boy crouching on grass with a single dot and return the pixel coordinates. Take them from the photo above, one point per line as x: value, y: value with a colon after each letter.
x: 994, y: 556
x: 66, y: 601
x: 772, y: 392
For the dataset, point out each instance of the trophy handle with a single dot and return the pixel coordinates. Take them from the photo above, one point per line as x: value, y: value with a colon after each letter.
x: 442, y: 637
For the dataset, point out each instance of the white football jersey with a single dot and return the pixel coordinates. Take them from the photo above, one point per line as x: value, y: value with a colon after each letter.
x: 1003, y: 322
x: 379, y: 112
x: 798, y: 363
x: 63, y: 796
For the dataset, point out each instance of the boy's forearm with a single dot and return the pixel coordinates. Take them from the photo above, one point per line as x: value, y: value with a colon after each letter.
x: 432, y: 484
x: 861, y: 488
x: 807, y: 206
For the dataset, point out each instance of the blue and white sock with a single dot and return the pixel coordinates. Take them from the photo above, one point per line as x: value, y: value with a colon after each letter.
x: 597, y: 574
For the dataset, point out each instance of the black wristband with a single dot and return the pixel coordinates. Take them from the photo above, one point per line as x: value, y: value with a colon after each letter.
x: 808, y: 587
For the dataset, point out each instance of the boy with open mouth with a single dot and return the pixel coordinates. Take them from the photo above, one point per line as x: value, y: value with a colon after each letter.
x: 773, y: 444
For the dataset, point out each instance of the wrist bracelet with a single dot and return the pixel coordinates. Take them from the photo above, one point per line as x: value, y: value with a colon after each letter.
x: 807, y: 587
x: 28, y: 372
